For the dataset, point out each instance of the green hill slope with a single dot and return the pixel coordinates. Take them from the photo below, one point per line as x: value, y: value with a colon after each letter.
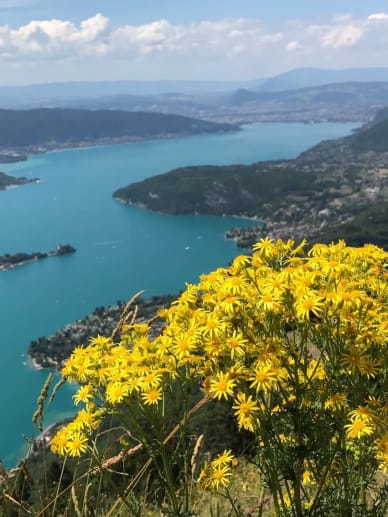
x: 234, y: 189
x: 368, y: 226
x: 374, y: 138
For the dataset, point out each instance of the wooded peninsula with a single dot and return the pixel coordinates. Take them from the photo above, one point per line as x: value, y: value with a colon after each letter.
x: 337, y: 189
x: 24, y: 132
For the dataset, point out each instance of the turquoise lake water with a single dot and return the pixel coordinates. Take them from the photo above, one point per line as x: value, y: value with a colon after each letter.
x: 120, y: 249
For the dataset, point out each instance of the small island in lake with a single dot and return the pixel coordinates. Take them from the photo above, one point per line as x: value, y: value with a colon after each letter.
x: 7, y: 181
x: 8, y: 261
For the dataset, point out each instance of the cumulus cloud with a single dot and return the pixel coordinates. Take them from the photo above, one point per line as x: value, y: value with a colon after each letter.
x: 52, y: 38
x: 378, y: 17
x: 342, y: 36
x: 229, y: 37
x: 95, y: 36
x: 234, y: 46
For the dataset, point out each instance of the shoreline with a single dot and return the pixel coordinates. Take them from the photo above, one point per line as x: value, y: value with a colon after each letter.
x: 16, y: 185
x: 143, y: 206
x: 25, y: 153
x: 13, y: 266
x: 29, y: 151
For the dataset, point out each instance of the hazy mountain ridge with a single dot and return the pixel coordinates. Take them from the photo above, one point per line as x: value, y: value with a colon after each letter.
x: 56, y: 94
x: 309, y: 77
x: 292, y: 79
x: 305, y: 94
x: 336, y: 93
x: 336, y: 102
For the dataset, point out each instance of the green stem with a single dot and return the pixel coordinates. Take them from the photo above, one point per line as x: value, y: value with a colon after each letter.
x: 233, y: 505
x: 346, y: 509
x: 298, y: 430
x: 169, y: 480
x: 59, y: 486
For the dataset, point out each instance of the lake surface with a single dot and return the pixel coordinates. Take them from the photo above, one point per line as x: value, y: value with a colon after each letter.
x: 120, y: 249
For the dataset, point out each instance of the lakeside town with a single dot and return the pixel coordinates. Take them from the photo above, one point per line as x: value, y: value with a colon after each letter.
x: 349, y: 183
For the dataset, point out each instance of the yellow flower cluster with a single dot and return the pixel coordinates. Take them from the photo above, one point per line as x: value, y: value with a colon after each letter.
x: 109, y: 374
x: 218, y: 472
x: 250, y: 333
x: 72, y: 440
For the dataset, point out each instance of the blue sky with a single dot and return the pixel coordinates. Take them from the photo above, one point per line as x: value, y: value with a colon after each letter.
x: 180, y: 11
x: 50, y: 40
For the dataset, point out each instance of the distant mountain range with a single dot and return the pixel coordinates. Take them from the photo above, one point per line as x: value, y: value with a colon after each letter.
x: 350, y: 101
x: 356, y: 93
x: 337, y: 101
x: 301, y: 95
x: 306, y: 77
x: 58, y: 94
x: 55, y: 94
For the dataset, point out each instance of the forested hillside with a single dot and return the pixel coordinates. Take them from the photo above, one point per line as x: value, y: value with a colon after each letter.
x: 49, y: 127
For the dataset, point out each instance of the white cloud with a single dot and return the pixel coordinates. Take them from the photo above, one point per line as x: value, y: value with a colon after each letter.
x: 342, y: 36
x: 94, y: 28
x: 293, y: 45
x: 378, y: 17
x: 53, y: 38
x: 42, y: 39
x: 235, y: 48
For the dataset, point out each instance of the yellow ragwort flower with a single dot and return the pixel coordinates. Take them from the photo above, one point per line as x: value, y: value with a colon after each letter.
x: 221, y: 386
x: 220, y: 476
x: 245, y: 408
x: 152, y: 396
x: 76, y: 444
x: 358, y: 429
